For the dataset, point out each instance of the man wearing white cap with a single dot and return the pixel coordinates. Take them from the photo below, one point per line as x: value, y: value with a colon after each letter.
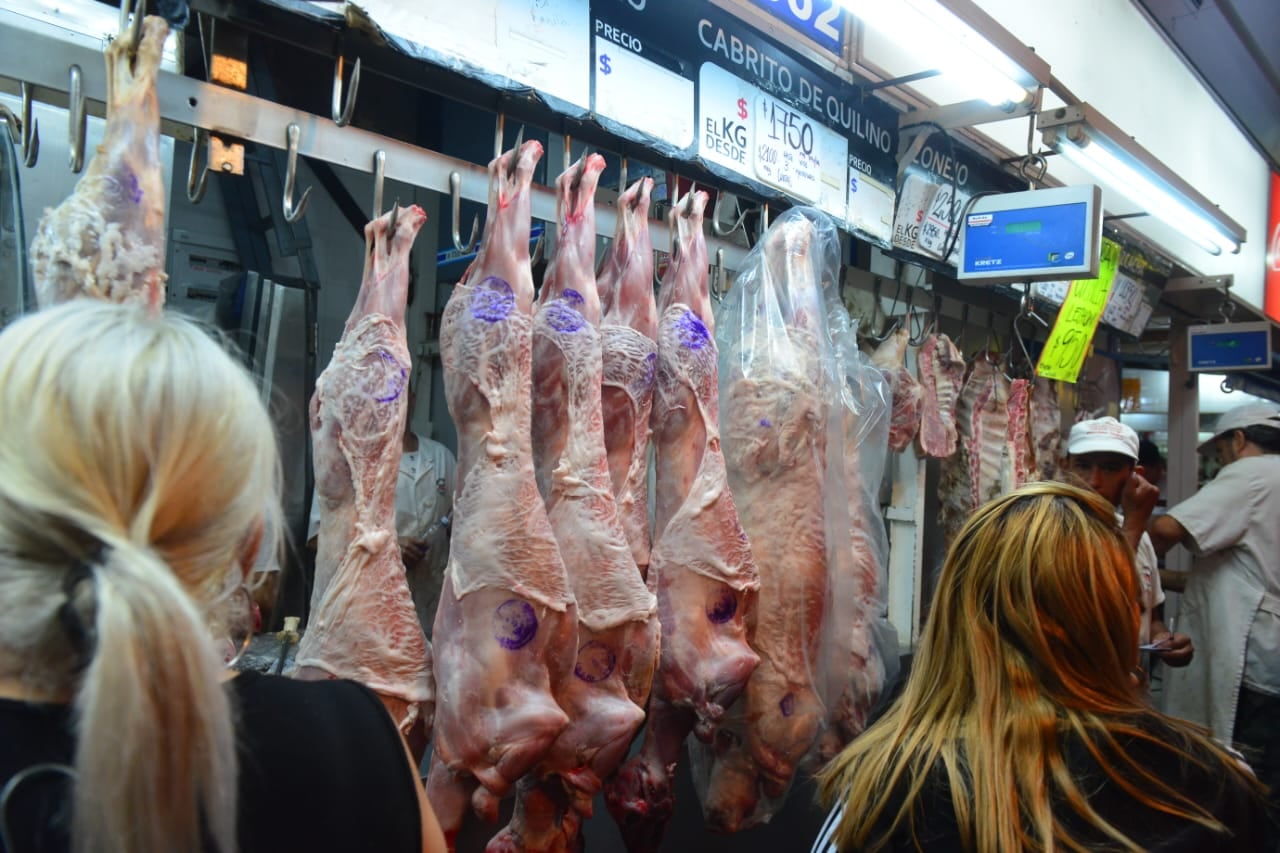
x: 1104, y: 454
x: 1232, y: 600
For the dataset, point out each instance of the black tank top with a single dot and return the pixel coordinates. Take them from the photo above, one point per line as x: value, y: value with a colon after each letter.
x: 322, y: 767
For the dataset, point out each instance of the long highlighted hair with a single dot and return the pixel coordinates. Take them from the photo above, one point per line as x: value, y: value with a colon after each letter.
x: 1031, y: 643
x: 137, y: 468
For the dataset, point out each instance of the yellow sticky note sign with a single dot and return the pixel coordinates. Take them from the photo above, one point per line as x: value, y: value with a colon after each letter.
x: 1064, y: 353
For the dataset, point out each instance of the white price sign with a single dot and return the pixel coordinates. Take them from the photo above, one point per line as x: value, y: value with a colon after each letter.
x: 725, y: 104
x: 1124, y: 309
x: 536, y: 43
x: 797, y: 155
x: 628, y: 85
x: 935, y: 231
x: 870, y: 206
x: 762, y: 138
x: 785, y: 150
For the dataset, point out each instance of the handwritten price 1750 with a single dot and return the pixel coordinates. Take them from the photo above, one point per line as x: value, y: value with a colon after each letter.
x: 789, y: 127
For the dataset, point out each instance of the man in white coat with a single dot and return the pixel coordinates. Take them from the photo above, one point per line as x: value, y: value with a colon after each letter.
x: 1103, y: 453
x: 1232, y: 600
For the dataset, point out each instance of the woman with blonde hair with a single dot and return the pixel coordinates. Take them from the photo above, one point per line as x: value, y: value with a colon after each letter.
x: 135, y: 463
x: 1022, y: 725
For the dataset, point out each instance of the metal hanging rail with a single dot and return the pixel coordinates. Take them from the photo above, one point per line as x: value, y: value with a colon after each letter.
x: 185, y: 104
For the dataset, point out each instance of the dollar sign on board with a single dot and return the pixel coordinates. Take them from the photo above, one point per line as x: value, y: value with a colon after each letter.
x: 742, y: 107
x: 604, y: 64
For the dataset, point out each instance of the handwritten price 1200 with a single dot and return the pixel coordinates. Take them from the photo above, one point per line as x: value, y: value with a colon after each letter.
x: 787, y: 127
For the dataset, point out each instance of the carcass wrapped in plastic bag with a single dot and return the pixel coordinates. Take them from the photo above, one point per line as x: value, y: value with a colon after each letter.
x: 782, y: 431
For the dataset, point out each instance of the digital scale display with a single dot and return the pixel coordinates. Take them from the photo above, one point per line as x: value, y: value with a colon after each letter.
x: 1229, y: 346
x: 1040, y: 235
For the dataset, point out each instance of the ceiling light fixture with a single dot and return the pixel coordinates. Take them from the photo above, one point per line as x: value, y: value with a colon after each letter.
x: 1088, y: 139
x: 962, y: 42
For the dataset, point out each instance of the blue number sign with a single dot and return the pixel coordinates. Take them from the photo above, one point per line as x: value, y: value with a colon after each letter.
x: 820, y: 20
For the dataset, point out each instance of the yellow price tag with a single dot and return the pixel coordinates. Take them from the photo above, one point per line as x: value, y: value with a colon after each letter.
x: 1064, y: 353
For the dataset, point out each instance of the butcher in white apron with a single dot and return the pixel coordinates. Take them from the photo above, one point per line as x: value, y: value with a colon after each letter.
x: 1232, y: 600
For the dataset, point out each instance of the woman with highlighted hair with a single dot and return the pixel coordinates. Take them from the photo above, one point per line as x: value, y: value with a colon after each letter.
x: 136, y: 460
x: 1023, y: 724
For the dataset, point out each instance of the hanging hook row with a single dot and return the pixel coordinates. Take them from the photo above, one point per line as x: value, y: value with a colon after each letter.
x: 342, y: 110
x: 293, y: 211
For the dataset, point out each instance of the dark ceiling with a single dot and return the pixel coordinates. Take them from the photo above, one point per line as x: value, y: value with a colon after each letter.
x: 1232, y: 46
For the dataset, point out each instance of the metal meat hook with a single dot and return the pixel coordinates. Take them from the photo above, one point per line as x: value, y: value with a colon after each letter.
x: 132, y: 30
x: 455, y: 192
x: 24, y: 131
x: 740, y: 222
x: 379, y: 179
x: 341, y: 111
x: 76, y: 118
x: 196, y: 185
x: 293, y: 212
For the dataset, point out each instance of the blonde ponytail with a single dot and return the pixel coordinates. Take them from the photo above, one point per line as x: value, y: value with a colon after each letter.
x: 136, y: 463
x: 154, y: 725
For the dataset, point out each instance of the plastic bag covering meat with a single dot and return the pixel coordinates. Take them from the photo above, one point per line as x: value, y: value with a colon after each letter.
x: 106, y: 240
x: 363, y: 625
x: 701, y: 570
x: 783, y: 428
x: 629, y: 337
x: 506, y: 629
x: 617, y: 624
x: 872, y: 660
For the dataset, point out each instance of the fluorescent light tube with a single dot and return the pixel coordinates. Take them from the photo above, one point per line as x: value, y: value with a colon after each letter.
x: 936, y: 38
x: 1153, y: 199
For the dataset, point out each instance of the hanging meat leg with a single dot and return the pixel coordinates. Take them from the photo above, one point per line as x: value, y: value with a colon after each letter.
x: 701, y: 566
x: 617, y: 629
x: 629, y: 333
x: 363, y: 625
x: 106, y: 239
x: 506, y: 628
x: 891, y: 357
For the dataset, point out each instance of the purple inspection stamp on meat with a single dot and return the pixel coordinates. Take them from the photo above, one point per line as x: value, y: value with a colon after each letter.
x: 397, y: 378
x: 492, y: 300
x: 691, y: 331
x: 787, y: 704
x: 561, y: 316
x: 514, y: 624
x: 724, y: 607
x: 596, y: 662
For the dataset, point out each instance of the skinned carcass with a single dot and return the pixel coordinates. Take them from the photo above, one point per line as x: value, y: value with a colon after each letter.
x: 891, y: 357
x: 701, y: 567
x: 505, y: 633
x: 106, y: 240
x: 941, y: 367
x: 629, y: 337
x: 363, y: 624
x: 617, y: 644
